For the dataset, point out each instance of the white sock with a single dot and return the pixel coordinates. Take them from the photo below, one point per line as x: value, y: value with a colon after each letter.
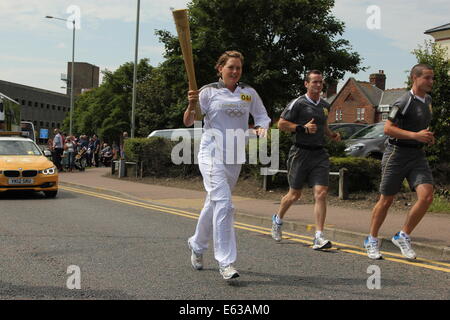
x: 404, y: 234
x: 372, y: 239
x: 318, y: 234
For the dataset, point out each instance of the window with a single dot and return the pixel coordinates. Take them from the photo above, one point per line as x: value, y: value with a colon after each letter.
x: 338, y: 115
x: 384, y: 116
x: 30, y: 104
x: 59, y: 108
x: 24, y: 102
x: 360, y: 113
x: 383, y: 108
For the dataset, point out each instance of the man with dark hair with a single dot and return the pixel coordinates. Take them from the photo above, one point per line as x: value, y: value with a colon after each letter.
x: 404, y: 157
x: 308, y: 161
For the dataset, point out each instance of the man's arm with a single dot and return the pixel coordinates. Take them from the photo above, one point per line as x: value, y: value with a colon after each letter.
x: 424, y: 136
x: 335, y: 136
x: 286, y: 126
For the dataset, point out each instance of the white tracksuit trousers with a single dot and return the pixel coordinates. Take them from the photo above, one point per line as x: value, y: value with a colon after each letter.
x: 217, y: 216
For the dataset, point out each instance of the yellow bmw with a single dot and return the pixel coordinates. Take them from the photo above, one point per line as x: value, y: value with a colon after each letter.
x: 23, y: 166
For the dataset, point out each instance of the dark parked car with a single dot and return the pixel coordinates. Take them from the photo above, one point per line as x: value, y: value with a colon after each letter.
x: 346, y: 129
x: 368, y: 142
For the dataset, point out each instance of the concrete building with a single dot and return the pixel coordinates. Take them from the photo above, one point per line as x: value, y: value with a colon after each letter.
x: 86, y: 77
x: 441, y: 35
x: 363, y: 102
x: 46, y: 109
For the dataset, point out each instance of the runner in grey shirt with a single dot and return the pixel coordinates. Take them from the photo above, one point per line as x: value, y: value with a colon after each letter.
x: 308, y: 161
x: 404, y: 157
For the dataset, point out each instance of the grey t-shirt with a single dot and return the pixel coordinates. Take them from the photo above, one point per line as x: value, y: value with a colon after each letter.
x: 411, y: 114
x: 301, y: 111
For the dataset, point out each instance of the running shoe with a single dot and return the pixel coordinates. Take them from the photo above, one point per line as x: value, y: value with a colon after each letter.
x: 373, y: 249
x: 321, y: 243
x: 404, y: 243
x: 228, y: 272
x: 196, y: 258
x: 276, y: 229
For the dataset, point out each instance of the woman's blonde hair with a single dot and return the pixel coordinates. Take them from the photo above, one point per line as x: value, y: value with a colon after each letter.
x: 227, y: 55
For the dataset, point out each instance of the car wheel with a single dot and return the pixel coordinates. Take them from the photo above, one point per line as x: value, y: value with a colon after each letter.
x: 50, y: 194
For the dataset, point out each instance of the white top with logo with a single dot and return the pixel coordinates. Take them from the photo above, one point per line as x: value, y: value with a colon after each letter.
x: 226, y: 120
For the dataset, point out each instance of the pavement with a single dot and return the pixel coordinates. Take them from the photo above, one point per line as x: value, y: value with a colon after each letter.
x: 431, y: 238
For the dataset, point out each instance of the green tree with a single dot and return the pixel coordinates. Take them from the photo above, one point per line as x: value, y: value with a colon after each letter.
x: 106, y: 110
x: 280, y: 41
x: 435, y: 56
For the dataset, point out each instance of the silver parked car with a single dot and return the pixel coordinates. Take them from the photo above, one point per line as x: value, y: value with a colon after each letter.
x: 368, y: 142
x: 346, y: 129
x: 169, y: 133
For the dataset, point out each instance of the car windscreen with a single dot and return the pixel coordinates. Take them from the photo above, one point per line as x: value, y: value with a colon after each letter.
x: 18, y: 148
x: 371, y: 132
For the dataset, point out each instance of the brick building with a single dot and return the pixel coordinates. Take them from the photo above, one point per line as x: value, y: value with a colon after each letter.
x: 363, y: 102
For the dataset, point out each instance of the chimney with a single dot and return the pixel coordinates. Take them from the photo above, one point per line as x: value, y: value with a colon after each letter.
x: 331, y: 88
x: 378, y: 80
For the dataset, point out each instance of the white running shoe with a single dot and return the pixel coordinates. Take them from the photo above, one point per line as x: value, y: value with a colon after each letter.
x: 228, y: 272
x: 373, y: 249
x: 321, y: 243
x: 276, y: 229
x: 404, y: 243
x: 196, y: 259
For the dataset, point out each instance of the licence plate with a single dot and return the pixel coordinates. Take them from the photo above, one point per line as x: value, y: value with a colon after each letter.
x: 20, y: 181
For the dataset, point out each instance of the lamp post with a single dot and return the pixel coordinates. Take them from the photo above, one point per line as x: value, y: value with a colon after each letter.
x: 73, y: 71
x: 133, y: 102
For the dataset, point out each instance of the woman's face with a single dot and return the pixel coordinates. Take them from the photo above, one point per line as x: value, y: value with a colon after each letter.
x: 231, y: 72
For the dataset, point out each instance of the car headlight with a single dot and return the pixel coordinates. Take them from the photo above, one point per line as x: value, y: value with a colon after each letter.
x: 49, y: 171
x: 354, y: 147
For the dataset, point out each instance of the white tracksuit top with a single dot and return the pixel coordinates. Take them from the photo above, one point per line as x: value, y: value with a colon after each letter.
x: 226, y: 115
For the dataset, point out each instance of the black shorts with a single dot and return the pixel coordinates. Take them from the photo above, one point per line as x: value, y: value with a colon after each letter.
x: 399, y: 163
x: 307, y: 166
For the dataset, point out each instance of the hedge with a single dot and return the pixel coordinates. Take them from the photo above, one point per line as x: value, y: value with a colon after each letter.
x: 155, y: 154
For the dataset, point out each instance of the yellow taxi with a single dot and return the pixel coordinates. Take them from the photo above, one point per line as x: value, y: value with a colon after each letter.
x: 23, y: 166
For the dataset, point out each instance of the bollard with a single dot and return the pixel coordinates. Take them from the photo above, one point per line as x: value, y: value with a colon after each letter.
x: 343, y: 184
x: 122, y: 168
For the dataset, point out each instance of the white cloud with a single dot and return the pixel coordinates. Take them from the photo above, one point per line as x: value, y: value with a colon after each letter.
x: 403, y: 22
x: 28, y: 15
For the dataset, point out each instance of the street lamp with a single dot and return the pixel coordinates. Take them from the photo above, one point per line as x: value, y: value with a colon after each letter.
x: 133, y: 102
x: 73, y: 70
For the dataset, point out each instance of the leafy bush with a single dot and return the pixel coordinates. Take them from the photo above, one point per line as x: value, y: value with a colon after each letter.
x: 364, y: 173
x: 155, y: 155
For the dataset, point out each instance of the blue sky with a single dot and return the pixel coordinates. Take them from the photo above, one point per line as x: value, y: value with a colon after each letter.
x: 34, y: 51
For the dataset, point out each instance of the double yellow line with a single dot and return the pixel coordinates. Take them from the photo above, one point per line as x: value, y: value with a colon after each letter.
x: 419, y: 262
